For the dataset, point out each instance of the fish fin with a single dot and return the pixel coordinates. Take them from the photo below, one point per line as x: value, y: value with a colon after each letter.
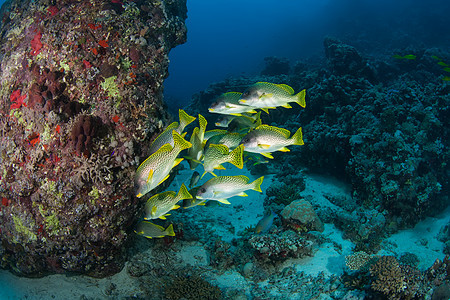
x: 267, y: 154
x: 202, y: 203
x: 284, y: 149
x: 224, y: 201
x: 163, y: 217
x: 177, y: 161
x: 213, y: 174
x: 297, y: 138
x: 183, y: 193
x: 237, y: 157
x: 263, y: 146
x: 257, y: 184
x: 251, y: 111
x: 176, y: 206
x: 300, y: 98
x: 219, y: 167
x: 154, y: 208
x: 185, y: 119
x: 242, y: 101
x: 168, y: 175
x: 150, y: 176
x: 169, y: 230
x: 287, y: 88
x: 286, y: 105
x: 179, y: 142
x: 265, y: 109
x: 243, y: 194
x: 236, y: 114
x: 204, y: 173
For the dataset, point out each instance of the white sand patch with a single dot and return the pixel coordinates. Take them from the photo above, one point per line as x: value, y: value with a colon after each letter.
x: 420, y: 240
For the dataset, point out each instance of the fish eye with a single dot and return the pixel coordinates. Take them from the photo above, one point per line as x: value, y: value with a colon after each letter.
x: 202, y: 190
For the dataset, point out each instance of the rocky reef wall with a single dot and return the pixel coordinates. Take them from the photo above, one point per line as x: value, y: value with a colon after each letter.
x: 80, y: 100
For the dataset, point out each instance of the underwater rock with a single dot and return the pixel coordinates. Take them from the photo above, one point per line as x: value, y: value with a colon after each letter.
x: 80, y: 101
x: 300, y: 215
x: 275, y: 66
x: 345, y: 59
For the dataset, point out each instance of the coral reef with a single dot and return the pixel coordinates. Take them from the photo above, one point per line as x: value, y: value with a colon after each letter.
x: 191, y: 288
x: 379, y: 123
x: 81, y: 99
x: 280, y: 246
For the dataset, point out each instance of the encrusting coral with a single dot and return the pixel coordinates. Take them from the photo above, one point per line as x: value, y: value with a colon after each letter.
x: 80, y: 101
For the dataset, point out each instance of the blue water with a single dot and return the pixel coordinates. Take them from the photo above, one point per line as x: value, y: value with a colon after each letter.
x: 232, y: 37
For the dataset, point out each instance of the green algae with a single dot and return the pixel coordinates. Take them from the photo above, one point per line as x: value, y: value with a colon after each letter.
x: 23, y: 230
x: 110, y: 86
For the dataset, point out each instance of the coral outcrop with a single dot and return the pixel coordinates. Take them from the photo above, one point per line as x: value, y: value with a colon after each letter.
x: 80, y: 101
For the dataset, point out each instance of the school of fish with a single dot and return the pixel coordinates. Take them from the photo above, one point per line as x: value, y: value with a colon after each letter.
x: 245, y: 137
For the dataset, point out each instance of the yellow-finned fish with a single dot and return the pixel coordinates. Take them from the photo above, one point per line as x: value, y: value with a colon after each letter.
x: 217, y: 154
x: 165, y: 137
x: 266, y: 139
x: 267, y: 95
x: 159, y: 205
x: 195, y: 153
x: 221, y: 188
x: 407, y: 56
x: 188, y: 203
x: 156, y: 168
x: 150, y: 230
x: 228, y: 104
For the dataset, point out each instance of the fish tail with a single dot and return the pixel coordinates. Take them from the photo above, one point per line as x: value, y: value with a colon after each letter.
x: 179, y: 142
x: 237, y: 157
x: 258, y: 121
x: 169, y: 230
x: 202, y: 124
x: 297, y: 138
x: 300, y: 98
x: 257, y: 184
x: 183, y: 193
x: 185, y: 119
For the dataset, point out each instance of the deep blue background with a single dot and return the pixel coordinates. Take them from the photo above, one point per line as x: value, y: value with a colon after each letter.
x: 232, y: 37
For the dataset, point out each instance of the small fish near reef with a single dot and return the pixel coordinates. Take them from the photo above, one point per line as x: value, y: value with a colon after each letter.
x: 150, y: 230
x: 194, y: 179
x: 228, y: 104
x: 221, y: 188
x: 159, y: 205
x: 156, y: 168
x: 266, y: 95
x: 266, y: 139
x: 265, y: 223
